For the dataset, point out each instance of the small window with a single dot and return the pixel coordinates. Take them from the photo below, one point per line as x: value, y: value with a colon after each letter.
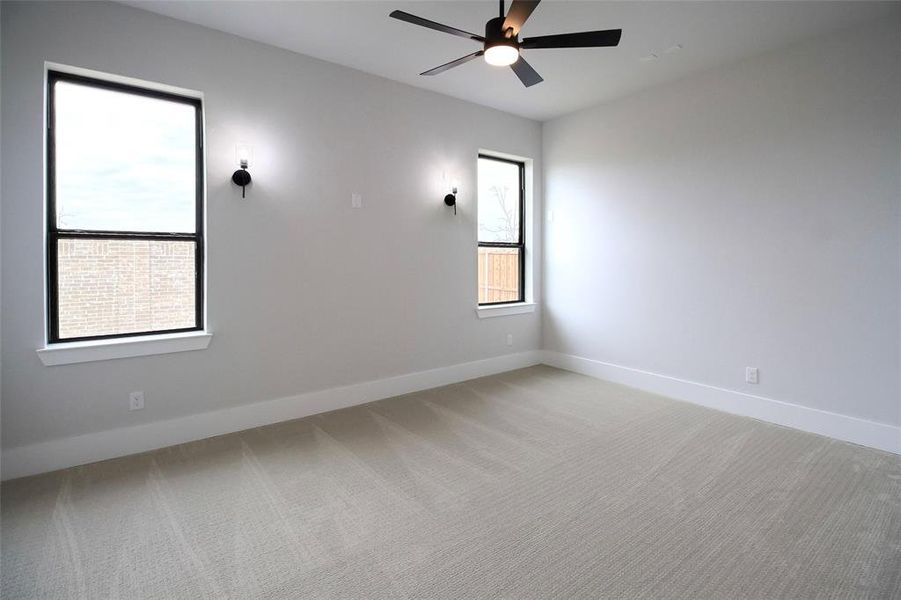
x: 125, y: 210
x: 501, y: 231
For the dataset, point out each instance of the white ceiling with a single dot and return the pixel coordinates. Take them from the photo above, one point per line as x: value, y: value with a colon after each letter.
x: 362, y: 36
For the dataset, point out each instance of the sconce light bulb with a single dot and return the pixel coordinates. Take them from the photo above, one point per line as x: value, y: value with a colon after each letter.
x: 244, y: 154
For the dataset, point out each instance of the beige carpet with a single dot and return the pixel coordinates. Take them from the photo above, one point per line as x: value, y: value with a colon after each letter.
x: 532, y: 484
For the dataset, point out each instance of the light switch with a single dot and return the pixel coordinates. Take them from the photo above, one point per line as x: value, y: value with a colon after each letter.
x: 136, y: 401
x: 752, y: 375
x: 356, y: 201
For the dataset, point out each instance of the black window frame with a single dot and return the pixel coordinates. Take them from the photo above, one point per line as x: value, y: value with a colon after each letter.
x: 54, y: 233
x: 521, y: 245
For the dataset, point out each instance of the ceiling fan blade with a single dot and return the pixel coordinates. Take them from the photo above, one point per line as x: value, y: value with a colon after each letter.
x: 453, y: 63
x: 518, y: 14
x: 527, y: 75
x: 405, y: 16
x: 585, y: 39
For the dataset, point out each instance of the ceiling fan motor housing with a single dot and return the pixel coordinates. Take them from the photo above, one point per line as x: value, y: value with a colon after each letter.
x: 496, y: 36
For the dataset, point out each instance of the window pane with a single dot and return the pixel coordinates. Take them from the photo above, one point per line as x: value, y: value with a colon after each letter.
x: 124, y: 162
x: 498, y: 201
x: 124, y: 286
x: 498, y: 275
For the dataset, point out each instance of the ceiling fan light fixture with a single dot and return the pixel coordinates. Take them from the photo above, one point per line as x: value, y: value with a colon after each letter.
x: 501, y: 55
x: 501, y: 43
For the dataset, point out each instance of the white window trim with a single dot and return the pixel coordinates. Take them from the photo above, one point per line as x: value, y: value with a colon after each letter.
x: 502, y: 310
x: 487, y: 311
x: 68, y: 353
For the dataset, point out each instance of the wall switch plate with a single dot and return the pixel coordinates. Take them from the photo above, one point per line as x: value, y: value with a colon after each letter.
x: 356, y: 201
x: 136, y: 401
x: 751, y: 375
x: 550, y: 216
x: 509, y: 339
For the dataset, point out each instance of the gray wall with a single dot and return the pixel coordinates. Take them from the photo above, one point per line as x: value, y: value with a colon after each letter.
x: 746, y: 216
x: 305, y: 293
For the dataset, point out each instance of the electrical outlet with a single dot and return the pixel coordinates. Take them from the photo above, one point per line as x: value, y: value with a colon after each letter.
x: 509, y: 339
x: 751, y: 375
x: 356, y: 201
x: 136, y: 401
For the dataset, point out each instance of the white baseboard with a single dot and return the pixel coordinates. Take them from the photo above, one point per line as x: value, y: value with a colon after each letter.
x: 843, y: 427
x: 69, y: 452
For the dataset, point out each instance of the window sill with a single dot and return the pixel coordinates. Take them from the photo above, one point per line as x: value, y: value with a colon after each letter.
x: 79, y: 352
x: 502, y: 310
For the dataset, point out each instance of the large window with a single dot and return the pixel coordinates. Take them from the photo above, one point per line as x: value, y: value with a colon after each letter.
x: 125, y: 210
x: 501, y: 231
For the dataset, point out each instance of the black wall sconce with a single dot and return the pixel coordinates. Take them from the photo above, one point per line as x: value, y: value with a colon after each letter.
x: 242, y: 176
x: 451, y: 199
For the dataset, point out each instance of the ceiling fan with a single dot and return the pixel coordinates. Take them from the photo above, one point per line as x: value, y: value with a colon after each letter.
x: 501, y: 43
